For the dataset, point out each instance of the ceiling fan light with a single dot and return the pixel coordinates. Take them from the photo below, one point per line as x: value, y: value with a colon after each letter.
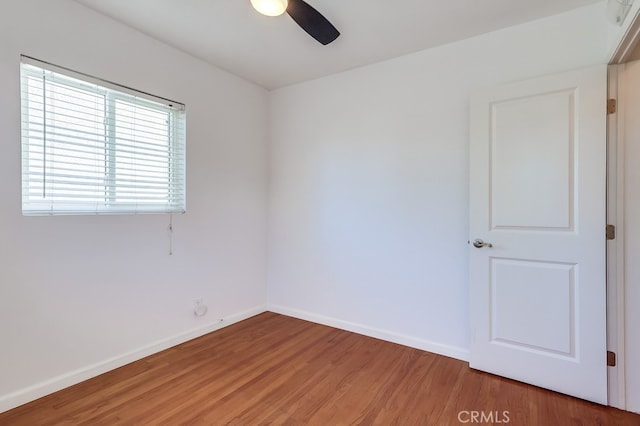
x: 270, y: 7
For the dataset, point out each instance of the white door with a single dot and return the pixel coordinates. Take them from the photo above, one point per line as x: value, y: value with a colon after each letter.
x: 537, y: 185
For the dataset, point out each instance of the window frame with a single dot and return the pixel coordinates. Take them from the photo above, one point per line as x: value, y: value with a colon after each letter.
x: 112, y: 94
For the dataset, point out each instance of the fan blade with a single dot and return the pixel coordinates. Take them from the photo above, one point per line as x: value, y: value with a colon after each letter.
x: 312, y: 21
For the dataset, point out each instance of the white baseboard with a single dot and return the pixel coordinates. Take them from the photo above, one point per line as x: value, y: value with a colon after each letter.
x: 55, y: 384
x: 413, y: 342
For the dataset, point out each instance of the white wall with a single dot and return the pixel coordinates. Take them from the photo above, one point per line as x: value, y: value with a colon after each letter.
x: 368, y: 202
x: 79, y: 295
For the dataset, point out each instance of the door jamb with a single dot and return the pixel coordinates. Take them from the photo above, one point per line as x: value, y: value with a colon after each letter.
x: 615, y: 248
x: 629, y: 39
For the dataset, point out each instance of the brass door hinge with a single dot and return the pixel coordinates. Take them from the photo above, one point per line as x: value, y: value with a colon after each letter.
x: 611, y: 232
x: 611, y: 359
x: 612, y: 106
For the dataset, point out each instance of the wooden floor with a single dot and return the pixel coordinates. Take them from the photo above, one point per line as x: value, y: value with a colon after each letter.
x: 273, y: 369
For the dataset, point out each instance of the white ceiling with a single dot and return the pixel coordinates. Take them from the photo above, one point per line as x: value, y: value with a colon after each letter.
x: 275, y: 52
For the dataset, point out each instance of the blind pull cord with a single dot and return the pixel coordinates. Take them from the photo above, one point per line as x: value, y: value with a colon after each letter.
x: 170, y: 234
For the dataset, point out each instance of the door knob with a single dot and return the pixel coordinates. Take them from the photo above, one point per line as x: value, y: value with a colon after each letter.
x: 478, y: 243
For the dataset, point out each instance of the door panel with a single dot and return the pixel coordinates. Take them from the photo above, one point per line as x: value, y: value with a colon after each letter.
x: 524, y: 195
x: 543, y: 291
x: 537, y: 197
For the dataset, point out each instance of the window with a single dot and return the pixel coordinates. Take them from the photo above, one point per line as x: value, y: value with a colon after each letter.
x: 93, y: 147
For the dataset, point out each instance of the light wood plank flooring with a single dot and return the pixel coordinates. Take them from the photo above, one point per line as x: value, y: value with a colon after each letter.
x: 273, y: 369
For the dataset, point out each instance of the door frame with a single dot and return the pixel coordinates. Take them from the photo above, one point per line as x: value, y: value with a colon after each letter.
x: 615, y: 248
x: 628, y: 35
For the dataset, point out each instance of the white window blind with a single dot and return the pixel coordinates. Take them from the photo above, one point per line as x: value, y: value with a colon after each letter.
x: 94, y: 147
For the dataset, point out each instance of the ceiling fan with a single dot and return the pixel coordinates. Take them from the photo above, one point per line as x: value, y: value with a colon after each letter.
x: 309, y: 19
